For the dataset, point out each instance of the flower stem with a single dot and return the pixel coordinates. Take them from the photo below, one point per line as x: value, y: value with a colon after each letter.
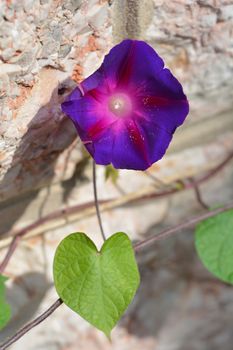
x: 97, y: 203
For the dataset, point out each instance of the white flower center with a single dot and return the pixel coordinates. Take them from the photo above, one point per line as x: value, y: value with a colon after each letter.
x: 120, y: 104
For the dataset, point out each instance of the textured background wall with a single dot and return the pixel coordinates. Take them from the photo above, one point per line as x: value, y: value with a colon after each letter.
x: 45, y: 44
x: 45, y: 47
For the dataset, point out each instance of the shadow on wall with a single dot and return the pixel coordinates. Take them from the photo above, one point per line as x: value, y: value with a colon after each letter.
x: 25, y: 297
x: 32, y: 167
x: 179, y: 304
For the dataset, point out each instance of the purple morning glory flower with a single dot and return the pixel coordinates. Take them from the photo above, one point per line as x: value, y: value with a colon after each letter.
x: 127, y: 111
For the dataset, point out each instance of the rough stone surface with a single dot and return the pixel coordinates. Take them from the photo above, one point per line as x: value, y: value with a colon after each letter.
x: 197, y: 43
x: 45, y: 47
x: 46, y: 44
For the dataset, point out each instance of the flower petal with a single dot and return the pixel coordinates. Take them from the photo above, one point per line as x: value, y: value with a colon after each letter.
x: 166, y: 115
x: 93, y: 81
x: 130, y: 62
x: 163, y: 102
x: 129, y: 145
x: 88, y: 115
x: 156, y: 139
x: 129, y: 151
x: 101, y: 147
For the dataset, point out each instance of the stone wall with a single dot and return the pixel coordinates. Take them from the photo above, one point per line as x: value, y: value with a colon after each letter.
x: 45, y: 47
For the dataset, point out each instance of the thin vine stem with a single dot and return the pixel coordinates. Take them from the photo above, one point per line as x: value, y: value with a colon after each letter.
x: 10, y: 252
x: 186, y: 224
x: 31, y: 325
x: 97, y: 203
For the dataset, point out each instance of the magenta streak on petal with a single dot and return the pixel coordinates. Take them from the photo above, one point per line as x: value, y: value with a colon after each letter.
x: 137, y: 139
x: 155, y: 101
x: 96, y: 94
x: 126, y: 71
x: 95, y: 131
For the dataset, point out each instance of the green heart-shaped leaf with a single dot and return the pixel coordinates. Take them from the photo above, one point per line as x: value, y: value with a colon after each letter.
x: 5, y: 310
x: 214, y: 244
x: 98, y: 285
